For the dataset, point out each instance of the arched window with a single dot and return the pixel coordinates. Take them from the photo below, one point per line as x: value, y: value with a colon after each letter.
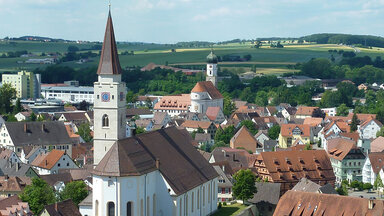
x: 97, y: 208
x: 154, y: 204
x: 181, y: 206
x: 148, y: 205
x: 129, y: 209
x: 105, y: 120
x: 111, y: 209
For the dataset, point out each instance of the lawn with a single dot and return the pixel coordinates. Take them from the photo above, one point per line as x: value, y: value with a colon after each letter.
x: 230, y: 210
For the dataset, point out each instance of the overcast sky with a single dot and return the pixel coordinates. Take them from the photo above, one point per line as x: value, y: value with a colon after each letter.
x: 169, y: 21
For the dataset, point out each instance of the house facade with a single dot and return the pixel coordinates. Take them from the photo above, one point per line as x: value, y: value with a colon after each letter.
x: 292, y: 133
x: 374, y: 163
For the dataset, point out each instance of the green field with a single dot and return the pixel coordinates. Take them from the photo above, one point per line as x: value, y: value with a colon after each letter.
x: 230, y: 210
x: 267, y: 60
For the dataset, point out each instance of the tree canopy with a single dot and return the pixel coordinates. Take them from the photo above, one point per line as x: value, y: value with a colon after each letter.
x: 38, y: 194
x: 244, y: 184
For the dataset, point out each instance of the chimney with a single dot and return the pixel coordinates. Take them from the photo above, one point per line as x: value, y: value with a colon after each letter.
x: 25, y: 127
x: 43, y: 127
x: 157, y: 163
x: 370, y: 203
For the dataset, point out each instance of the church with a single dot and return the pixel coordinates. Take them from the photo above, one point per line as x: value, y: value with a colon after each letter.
x: 203, y: 95
x: 157, y: 173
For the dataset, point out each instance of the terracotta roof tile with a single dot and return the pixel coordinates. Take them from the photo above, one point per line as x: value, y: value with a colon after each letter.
x: 196, y: 124
x: 48, y: 160
x: 377, y: 145
x: 377, y: 161
x: 207, y: 86
x: 304, y: 110
x: 286, y: 130
x: 338, y: 148
x: 174, y: 102
x: 212, y: 113
x: 313, y: 121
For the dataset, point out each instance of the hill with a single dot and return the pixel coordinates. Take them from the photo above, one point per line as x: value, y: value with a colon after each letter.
x: 358, y: 40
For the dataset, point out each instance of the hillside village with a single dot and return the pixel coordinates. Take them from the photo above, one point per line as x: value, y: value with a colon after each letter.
x: 97, y: 154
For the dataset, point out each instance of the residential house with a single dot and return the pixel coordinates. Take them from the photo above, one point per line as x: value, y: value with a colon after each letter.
x: 307, y: 185
x: 372, y: 166
x: 262, y: 136
x: 51, y: 162
x: 14, y: 206
x: 369, y: 128
x: 288, y: 167
x: 330, y: 111
x: 9, y: 155
x: 13, y: 185
x: 82, y: 154
x: 64, y: 208
x: 16, y: 169
x: 23, y: 116
x: 377, y: 145
x: 236, y: 158
x: 335, y: 127
x: 76, y: 118
x: 57, y: 181
x: 224, y: 185
x: 193, y: 116
x: 49, y: 135
x: 29, y: 153
x: 147, y: 124
x: 304, y: 112
x: 174, y: 105
x: 161, y: 119
x: 270, y: 145
x: 141, y: 113
x: 298, y: 203
x: 266, y: 198
x: 313, y: 122
x: 215, y: 115
x: 346, y: 158
x: 76, y: 138
x: 208, y: 127
x: 243, y: 139
x: 204, y: 139
x: 291, y: 133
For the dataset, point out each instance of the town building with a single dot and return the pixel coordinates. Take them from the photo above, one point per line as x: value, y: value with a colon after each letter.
x: 27, y: 84
x: 304, y: 112
x: 212, y: 61
x: 243, y: 139
x: 48, y: 135
x: 13, y: 185
x: 13, y: 205
x: 293, y: 133
x: 372, y: 166
x: 51, y: 162
x: 377, y: 145
x: 297, y: 203
x: 208, y: 127
x: 155, y: 173
x: 307, y: 185
x: 68, y: 94
x: 369, y: 128
x: 266, y: 198
x: 346, y: 158
x: 224, y: 185
x: 64, y: 208
x: 288, y: 167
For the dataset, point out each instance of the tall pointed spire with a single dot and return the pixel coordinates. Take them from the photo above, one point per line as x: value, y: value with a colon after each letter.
x: 109, y: 59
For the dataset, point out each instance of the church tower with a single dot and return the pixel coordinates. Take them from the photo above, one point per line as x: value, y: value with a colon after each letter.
x: 212, y: 68
x: 109, y: 98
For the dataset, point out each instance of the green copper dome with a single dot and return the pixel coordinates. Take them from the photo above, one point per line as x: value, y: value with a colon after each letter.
x: 212, y: 58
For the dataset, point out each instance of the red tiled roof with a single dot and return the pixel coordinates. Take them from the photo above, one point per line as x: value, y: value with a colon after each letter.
x: 48, y: 160
x: 377, y: 145
x: 196, y: 124
x: 212, y: 113
x: 313, y: 121
x: 304, y: 110
x: 207, y: 86
x: 377, y: 161
x: 286, y: 130
x: 174, y: 102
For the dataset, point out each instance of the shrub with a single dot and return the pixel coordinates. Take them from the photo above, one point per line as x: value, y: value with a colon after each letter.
x: 224, y: 203
x: 219, y: 206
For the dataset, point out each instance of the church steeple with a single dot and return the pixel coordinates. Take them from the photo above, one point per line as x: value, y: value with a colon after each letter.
x: 109, y: 59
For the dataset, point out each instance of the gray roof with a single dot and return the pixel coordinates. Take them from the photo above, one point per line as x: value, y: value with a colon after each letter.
x: 328, y: 189
x: 172, y: 154
x: 52, y: 179
x: 202, y: 137
x: 67, y: 88
x: 54, y: 133
x: 87, y: 201
x: 306, y: 185
x: 269, y: 145
x: 10, y: 169
x: 227, y: 183
x: 266, y: 192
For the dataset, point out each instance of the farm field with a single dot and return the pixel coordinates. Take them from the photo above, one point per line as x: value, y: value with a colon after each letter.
x: 267, y: 60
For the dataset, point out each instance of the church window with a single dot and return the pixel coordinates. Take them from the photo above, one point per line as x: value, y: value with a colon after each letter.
x: 154, y: 204
x: 147, y: 205
x: 129, y: 209
x: 181, y: 206
x: 111, y: 209
x: 97, y: 208
x: 113, y: 97
x: 105, y: 120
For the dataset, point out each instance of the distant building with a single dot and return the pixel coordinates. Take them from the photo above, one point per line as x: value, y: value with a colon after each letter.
x: 27, y: 84
x: 64, y: 208
x: 51, y: 162
x: 69, y: 94
x: 292, y: 133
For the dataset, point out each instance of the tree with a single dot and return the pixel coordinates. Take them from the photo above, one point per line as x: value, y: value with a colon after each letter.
x: 378, y: 183
x: 355, y: 184
x: 367, y: 186
x: 77, y: 191
x: 199, y: 130
x: 84, y: 131
x: 139, y: 130
x: 218, y: 144
x: 244, y: 185
x: 355, y: 122
x: 17, y: 108
x: 7, y: 94
x: 41, y: 118
x: 38, y: 194
x: 32, y: 117
x: 318, y: 113
x: 224, y: 135
x: 73, y: 49
x: 342, y: 110
x: 83, y: 105
x: 131, y: 97
x: 250, y: 125
x: 274, y: 132
x: 380, y: 132
x: 308, y: 146
x: 261, y: 98
x: 342, y: 190
x: 229, y: 106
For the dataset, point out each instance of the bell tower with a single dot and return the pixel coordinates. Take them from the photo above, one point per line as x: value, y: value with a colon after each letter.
x: 212, y: 68
x: 109, y: 97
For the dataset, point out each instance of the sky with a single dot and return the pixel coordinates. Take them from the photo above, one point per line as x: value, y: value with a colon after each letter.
x: 170, y: 21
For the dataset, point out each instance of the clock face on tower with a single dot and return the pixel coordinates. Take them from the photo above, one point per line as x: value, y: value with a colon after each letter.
x: 105, y: 96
